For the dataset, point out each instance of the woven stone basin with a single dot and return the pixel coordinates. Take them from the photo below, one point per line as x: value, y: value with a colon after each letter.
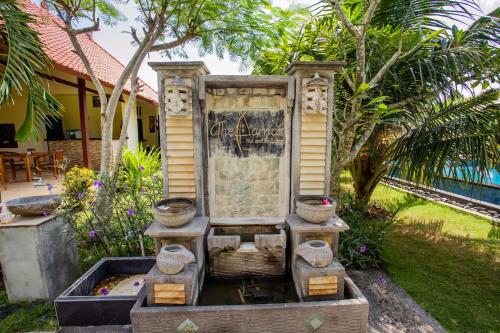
x: 312, y: 209
x: 34, y: 206
x: 174, y: 212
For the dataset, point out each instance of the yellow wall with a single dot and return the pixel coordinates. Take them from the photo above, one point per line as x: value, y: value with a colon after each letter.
x: 15, y: 113
x: 150, y: 138
x: 68, y: 97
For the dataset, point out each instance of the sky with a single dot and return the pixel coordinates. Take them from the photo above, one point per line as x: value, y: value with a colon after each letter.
x: 118, y: 43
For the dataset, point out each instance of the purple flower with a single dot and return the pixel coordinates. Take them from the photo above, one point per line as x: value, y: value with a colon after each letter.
x: 143, y: 190
x: 98, y: 183
x: 79, y: 196
x: 104, y: 291
x: 45, y: 213
x: 362, y: 249
x: 49, y: 187
x: 92, y: 203
x: 136, y: 283
x: 380, y: 279
x: 141, y: 167
x: 91, y: 233
x: 131, y: 212
x: 374, y: 204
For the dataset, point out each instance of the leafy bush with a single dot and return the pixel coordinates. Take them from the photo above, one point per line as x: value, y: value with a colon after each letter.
x: 110, y: 217
x: 361, y: 246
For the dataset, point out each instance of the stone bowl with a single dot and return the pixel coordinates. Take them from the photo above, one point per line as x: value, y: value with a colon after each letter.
x: 172, y: 259
x: 34, y: 206
x: 174, y: 212
x: 311, y: 208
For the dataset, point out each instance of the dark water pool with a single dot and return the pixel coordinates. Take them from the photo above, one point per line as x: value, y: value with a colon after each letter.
x: 248, y: 291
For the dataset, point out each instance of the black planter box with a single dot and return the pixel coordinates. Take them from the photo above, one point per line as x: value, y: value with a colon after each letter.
x: 75, y: 308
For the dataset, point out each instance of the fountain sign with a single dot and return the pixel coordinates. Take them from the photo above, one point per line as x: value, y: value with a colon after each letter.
x: 247, y: 132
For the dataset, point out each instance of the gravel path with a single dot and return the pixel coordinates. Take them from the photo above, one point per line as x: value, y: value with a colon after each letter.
x: 391, y: 308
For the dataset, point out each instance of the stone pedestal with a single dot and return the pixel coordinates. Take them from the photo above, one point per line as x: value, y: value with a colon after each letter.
x: 177, y: 289
x: 38, y: 256
x: 191, y: 236
x: 301, y: 231
x: 313, y: 284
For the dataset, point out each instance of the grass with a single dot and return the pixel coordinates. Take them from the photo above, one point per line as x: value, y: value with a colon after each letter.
x: 447, y: 260
x: 27, y: 316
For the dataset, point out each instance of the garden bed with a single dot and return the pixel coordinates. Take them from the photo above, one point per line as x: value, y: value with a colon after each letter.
x: 77, y: 307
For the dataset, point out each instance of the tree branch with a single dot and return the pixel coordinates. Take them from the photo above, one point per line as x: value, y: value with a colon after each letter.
x: 388, y: 64
x: 361, y: 142
x: 343, y: 17
x: 92, y: 28
x: 368, y: 16
x: 399, y: 55
x: 172, y: 44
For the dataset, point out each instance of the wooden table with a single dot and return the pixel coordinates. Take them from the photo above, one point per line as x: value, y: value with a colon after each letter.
x: 36, y: 156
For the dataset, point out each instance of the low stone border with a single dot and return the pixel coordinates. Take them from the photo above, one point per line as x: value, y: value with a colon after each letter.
x: 485, y: 210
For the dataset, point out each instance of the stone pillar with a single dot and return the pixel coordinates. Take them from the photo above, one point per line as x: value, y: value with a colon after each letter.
x: 181, y: 141
x: 38, y: 256
x: 312, y: 123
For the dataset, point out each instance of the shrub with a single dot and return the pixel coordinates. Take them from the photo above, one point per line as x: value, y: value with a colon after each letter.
x: 361, y: 246
x: 114, y: 225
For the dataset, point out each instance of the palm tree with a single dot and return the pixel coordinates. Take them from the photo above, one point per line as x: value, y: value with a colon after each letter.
x: 21, y: 61
x: 439, y: 62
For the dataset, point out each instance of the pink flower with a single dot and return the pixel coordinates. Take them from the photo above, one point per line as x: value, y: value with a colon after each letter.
x: 326, y: 201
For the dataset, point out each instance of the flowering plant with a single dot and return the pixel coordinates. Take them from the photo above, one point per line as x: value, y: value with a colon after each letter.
x: 113, y: 226
x: 360, y: 247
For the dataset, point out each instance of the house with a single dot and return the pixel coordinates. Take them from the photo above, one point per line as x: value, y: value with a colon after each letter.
x: 78, y: 133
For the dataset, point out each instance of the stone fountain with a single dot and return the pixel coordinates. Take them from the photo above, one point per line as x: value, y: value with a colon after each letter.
x: 253, y: 154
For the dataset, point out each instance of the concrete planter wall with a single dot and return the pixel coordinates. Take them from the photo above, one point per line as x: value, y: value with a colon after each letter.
x: 348, y: 315
x: 75, y: 308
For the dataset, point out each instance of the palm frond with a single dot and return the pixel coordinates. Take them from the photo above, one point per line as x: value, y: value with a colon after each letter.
x: 21, y: 60
x: 41, y: 108
x: 449, y: 138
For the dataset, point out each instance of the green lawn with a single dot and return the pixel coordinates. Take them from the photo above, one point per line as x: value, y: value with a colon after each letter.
x: 37, y: 316
x: 447, y: 260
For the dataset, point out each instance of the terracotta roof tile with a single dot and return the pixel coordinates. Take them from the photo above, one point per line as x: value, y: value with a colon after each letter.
x: 59, y: 49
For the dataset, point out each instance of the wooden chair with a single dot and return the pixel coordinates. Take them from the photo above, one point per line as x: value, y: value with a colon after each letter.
x: 2, y: 178
x: 52, y: 163
x: 13, y: 164
x: 57, y: 161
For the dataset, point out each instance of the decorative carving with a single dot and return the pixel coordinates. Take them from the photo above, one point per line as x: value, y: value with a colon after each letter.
x: 315, y: 96
x: 187, y: 326
x: 178, y: 99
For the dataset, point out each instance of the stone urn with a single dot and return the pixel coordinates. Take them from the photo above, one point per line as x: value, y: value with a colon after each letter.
x: 316, y: 253
x: 172, y: 259
x: 174, y: 212
x: 34, y: 206
x: 315, y: 208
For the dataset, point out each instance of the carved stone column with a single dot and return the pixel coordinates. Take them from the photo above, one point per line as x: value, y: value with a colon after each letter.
x: 181, y: 140
x: 312, y: 123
